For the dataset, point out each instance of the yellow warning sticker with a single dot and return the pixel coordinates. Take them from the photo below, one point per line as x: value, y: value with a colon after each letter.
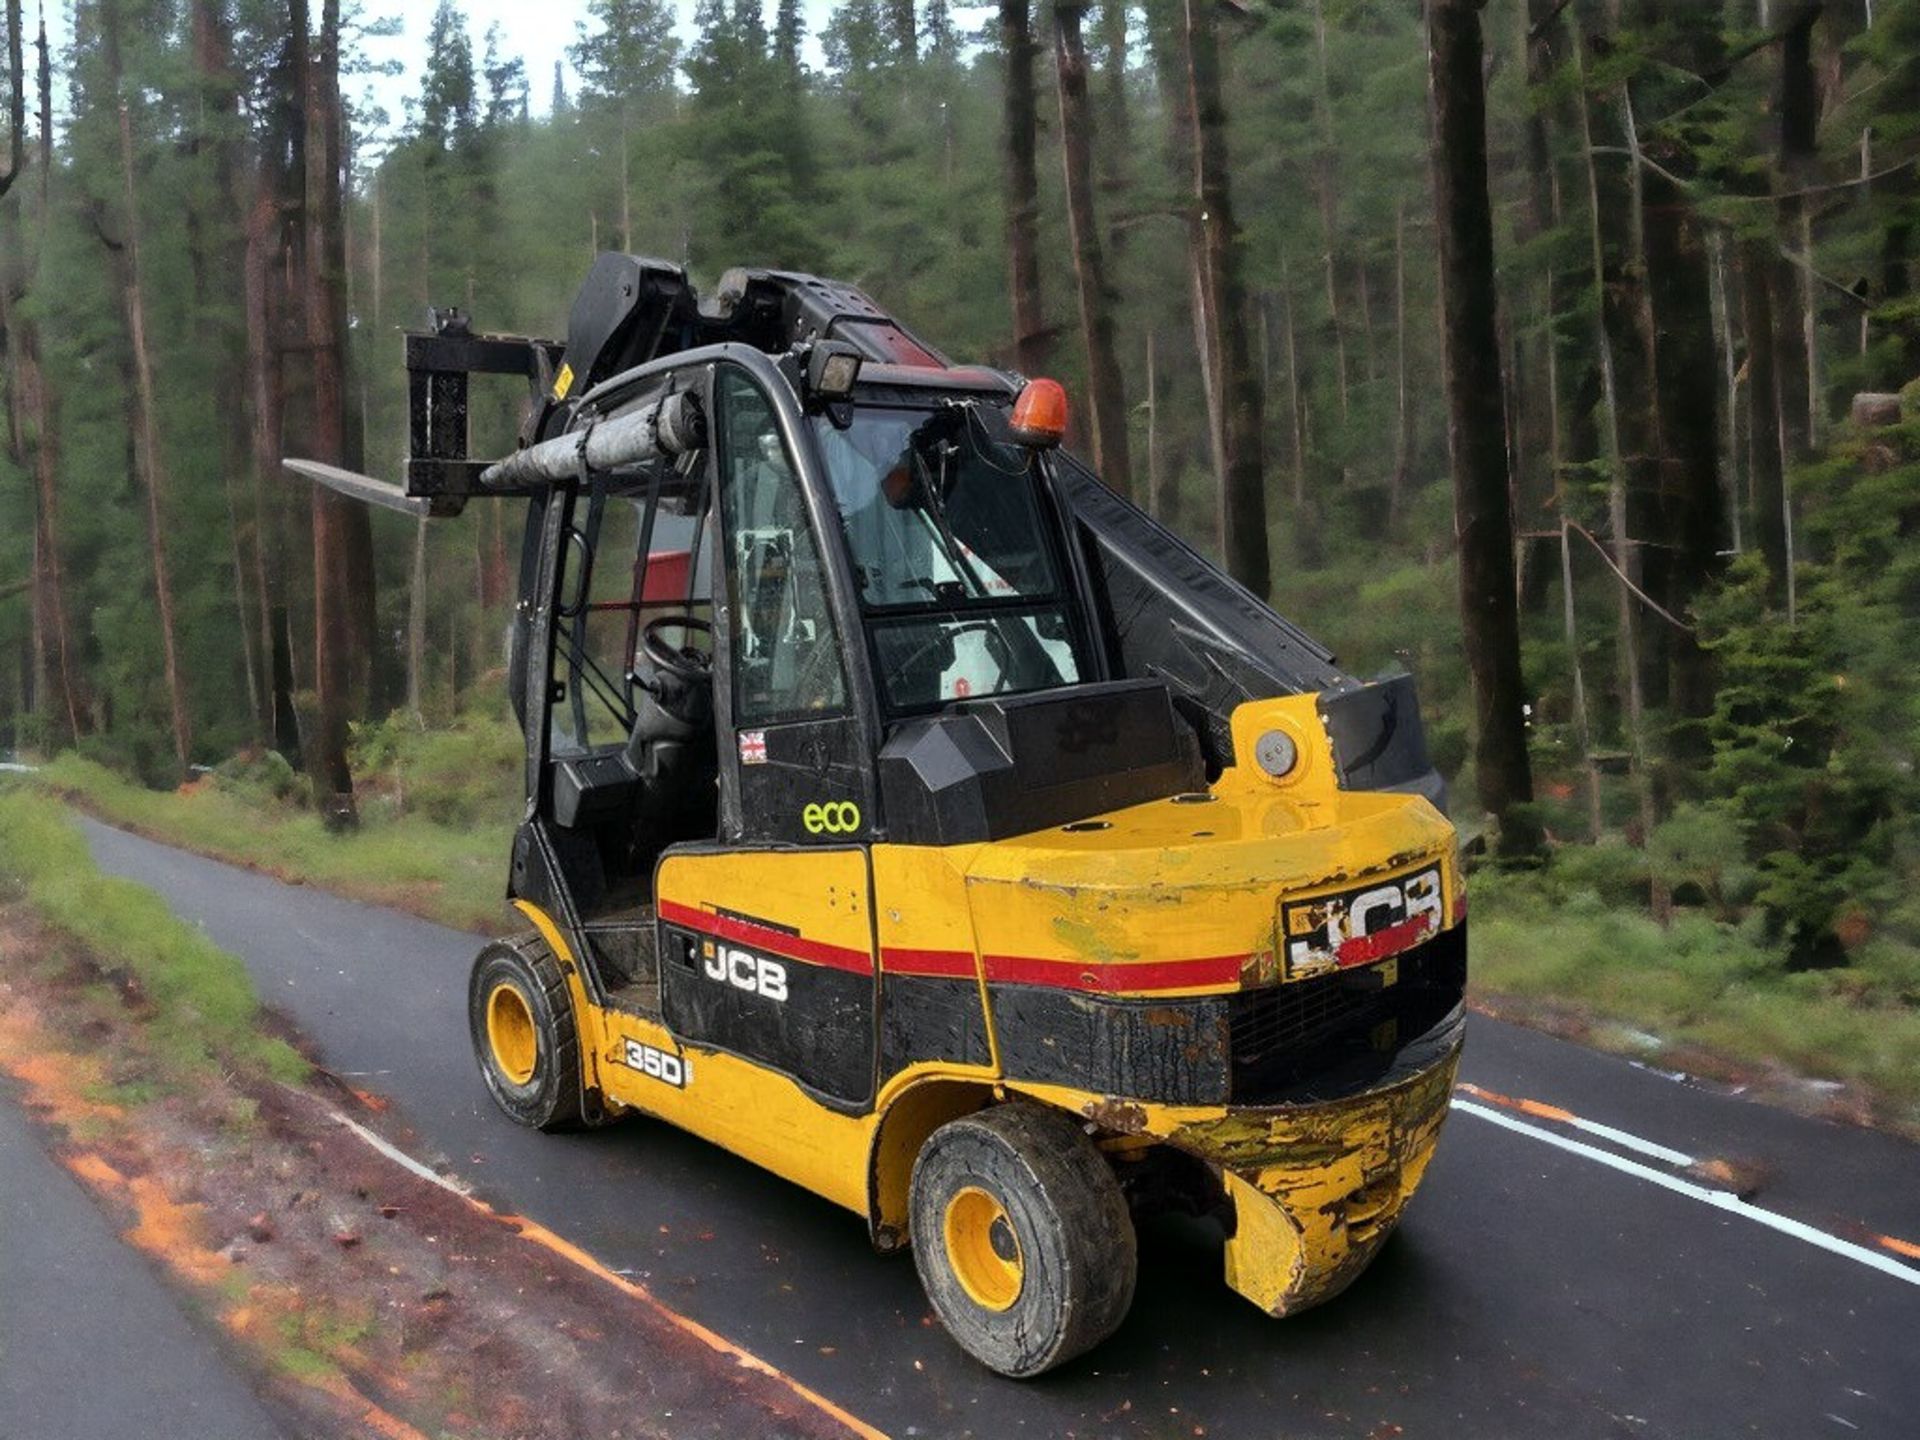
x: 563, y: 382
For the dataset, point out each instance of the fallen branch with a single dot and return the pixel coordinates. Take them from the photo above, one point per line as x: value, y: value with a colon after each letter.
x: 1644, y: 598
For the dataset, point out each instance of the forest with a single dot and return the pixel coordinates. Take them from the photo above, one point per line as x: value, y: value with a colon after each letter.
x: 1560, y: 351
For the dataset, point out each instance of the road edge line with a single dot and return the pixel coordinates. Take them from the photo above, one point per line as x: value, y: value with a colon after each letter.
x: 1718, y: 1199
x: 1541, y: 1110
x: 536, y: 1233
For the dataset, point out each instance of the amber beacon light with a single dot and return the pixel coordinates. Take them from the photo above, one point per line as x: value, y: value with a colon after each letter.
x: 1040, y: 414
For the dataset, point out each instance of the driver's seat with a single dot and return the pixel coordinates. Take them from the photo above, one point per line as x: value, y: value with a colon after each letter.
x: 672, y: 750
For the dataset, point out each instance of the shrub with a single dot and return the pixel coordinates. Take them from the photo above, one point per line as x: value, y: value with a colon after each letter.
x: 469, y: 774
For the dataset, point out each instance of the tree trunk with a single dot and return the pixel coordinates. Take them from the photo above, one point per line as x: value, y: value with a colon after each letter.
x: 1160, y: 501
x: 1679, y: 289
x: 342, y: 539
x: 1483, y: 525
x: 1116, y: 123
x: 1582, y: 725
x: 1613, y: 432
x: 1611, y: 152
x: 626, y: 183
x: 1402, y: 399
x: 1030, y: 338
x: 262, y: 403
x: 1721, y: 302
x: 1296, y: 406
x: 1105, y: 386
x: 153, y: 470
x: 1243, y: 477
x: 1646, y: 500
x: 219, y: 250
x: 1766, y: 482
x: 58, y: 689
x: 1535, y: 370
x: 1797, y: 104
x: 417, y: 628
x: 1327, y: 192
x: 16, y: 99
x: 1207, y: 352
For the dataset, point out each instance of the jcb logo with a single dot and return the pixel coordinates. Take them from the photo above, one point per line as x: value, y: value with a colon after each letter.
x: 1361, y: 926
x: 745, y: 971
x: 839, y: 817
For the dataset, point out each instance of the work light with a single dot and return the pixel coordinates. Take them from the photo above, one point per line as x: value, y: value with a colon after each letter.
x: 832, y: 369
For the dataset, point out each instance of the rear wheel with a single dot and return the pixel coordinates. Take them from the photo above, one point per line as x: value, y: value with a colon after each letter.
x: 521, y: 1019
x: 1022, y: 1237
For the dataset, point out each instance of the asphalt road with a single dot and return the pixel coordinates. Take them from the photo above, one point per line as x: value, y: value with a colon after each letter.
x: 1551, y: 1279
x: 92, y: 1342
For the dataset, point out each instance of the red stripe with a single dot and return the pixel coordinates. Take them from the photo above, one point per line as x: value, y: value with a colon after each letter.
x: 765, y: 937
x: 945, y: 964
x: 1210, y: 971
x: 1151, y: 975
x: 1069, y: 974
x: 1365, y: 949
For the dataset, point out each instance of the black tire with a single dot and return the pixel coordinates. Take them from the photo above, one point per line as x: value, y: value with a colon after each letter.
x: 1060, y: 1275
x: 534, y: 1073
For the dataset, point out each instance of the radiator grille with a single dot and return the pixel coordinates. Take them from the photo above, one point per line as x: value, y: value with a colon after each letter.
x: 1284, y: 1035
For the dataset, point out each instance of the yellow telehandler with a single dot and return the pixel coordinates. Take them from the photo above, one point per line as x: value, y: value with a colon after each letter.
x: 916, y: 818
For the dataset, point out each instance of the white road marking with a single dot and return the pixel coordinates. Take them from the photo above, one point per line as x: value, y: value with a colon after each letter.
x: 1540, y: 1110
x: 1718, y: 1199
x: 400, y: 1157
x: 1677, y: 1158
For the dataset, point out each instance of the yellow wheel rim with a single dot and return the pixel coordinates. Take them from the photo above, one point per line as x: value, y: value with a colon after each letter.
x: 510, y: 1032
x: 983, y: 1249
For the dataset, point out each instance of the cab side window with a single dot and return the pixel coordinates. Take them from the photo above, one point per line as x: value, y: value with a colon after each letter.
x: 786, y: 656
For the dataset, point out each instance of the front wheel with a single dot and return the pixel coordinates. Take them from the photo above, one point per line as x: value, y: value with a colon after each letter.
x: 1022, y: 1237
x: 521, y: 1020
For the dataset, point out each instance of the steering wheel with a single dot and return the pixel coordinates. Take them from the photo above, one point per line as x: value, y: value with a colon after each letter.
x: 682, y: 660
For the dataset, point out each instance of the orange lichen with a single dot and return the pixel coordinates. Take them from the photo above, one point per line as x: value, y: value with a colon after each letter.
x: 57, y: 1081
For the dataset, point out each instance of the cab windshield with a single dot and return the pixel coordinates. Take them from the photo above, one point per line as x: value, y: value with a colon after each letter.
x: 953, y: 554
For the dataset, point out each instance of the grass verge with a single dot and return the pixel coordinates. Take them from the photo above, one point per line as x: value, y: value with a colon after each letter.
x: 197, y: 1000
x: 1702, y: 994
x: 450, y: 873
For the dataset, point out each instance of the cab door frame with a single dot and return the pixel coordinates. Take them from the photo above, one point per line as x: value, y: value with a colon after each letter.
x: 852, y: 753
x: 803, y: 765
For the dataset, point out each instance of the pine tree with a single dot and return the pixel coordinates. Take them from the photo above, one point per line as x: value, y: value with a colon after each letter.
x: 753, y: 206
x: 449, y: 100
x: 506, y: 80
x: 626, y: 55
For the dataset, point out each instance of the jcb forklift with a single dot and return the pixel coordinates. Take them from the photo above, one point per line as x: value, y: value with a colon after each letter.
x: 913, y: 816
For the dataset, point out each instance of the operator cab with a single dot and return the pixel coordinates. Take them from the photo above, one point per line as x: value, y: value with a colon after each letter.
x: 891, y: 562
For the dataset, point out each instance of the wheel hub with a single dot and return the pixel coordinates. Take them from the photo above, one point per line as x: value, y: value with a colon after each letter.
x: 983, y: 1249
x: 511, y: 1034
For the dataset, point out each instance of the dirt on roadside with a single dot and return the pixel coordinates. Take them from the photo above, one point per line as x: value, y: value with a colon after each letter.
x: 367, y: 1298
